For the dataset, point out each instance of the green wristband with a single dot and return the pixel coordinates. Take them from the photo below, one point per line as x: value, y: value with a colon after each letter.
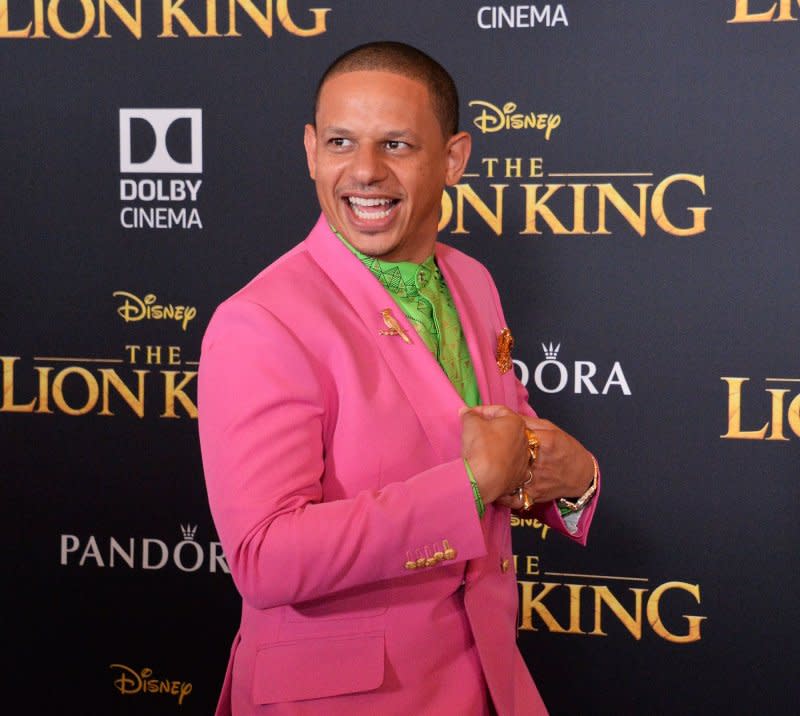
x: 475, y: 491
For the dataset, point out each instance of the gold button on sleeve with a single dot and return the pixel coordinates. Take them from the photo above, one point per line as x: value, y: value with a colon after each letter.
x: 449, y: 552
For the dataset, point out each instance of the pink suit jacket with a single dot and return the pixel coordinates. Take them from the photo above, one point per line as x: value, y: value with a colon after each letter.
x: 333, y: 466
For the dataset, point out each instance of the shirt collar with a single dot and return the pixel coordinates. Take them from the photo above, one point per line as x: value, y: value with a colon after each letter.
x: 400, y: 278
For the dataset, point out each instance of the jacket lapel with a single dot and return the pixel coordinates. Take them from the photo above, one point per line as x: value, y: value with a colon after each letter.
x: 421, y: 378
x: 475, y: 316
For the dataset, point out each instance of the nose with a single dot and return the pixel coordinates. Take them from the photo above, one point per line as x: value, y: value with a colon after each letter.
x: 367, y: 166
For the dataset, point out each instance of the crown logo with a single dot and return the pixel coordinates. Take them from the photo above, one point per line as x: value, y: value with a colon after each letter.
x: 188, y: 531
x: 551, y: 353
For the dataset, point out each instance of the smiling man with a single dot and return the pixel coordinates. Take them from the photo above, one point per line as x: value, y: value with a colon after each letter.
x: 380, y: 158
x: 363, y: 434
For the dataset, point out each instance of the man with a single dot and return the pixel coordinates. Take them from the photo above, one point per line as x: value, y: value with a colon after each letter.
x: 364, y: 437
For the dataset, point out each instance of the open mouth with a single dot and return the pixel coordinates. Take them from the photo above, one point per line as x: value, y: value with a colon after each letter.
x: 372, y: 208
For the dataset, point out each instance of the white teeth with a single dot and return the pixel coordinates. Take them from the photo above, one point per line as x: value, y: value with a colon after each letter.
x: 357, y: 202
x: 371, y: 214
x: 362, y: 201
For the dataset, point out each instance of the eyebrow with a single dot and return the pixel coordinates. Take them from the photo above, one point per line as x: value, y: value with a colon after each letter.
x: 393, y: 134
x: 336, y: 130
x: 399, y: 133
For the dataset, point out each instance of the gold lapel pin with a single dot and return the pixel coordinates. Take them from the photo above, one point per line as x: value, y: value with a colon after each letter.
x: 392, y: 326
x: 505, y: 342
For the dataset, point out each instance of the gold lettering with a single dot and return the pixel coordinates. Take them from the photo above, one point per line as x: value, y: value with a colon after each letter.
x: 532, y: 564
x: 60, y: 30
x: 541, y: 202
x: 134, y: 402
x: 637, y: 221
x: 175, y: 18
x: 153, y: 355
x: 517, y: 521
x: 5, y: 30
x: 264, y: 22
x: 134, y: 308
x: 794, y: 415
x: 491, y: 122
x: 553, y: 122
x: 211, y: 19
x: 536, y: 167
x: 491, y: 163
x: 531, y: 604
x: 535, y: 206
x: 785, y: 12
x: 777, y: 413
x: 134, y: 24
x: 742, y: 12
x: 174, y: 355
x: 575, y: 608
x: 605, y: 598
x: 133, y: 352
x: 44, y: 393
x: 513, y: 167
x: 130, y: 681
x: 654, y: 616
x: 172, y: 9
x: 493, y: 220
x: 579, y: 208
x: 9, y: 406
x: 735, y: 431
x: 38, y: 20
x: 92, y: 390
x: 172, y: 391
x: 506, y: 117
x: 286, y: 20
x: 603, y: 595
x: 698, y: 212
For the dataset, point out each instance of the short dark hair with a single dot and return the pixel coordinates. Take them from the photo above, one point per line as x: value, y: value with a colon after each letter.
x: 402, y: 59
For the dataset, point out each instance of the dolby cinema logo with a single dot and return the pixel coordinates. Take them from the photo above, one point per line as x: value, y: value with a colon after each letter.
x: 160, y: 160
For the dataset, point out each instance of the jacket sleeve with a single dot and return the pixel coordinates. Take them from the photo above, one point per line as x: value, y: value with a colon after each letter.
x: 262, y: 402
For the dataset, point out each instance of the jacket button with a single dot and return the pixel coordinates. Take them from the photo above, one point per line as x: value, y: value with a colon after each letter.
x: 449, y: 552
x: 504, y: 566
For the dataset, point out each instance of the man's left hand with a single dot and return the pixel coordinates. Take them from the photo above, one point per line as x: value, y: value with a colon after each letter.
x: 563, y: 467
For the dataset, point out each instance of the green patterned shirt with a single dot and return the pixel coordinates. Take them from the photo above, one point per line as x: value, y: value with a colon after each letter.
x: 422, y: 294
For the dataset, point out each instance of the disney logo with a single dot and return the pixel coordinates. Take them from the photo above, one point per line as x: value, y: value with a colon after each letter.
x: 138, y: 309
x: 130, y: 682
x: 496, y: 119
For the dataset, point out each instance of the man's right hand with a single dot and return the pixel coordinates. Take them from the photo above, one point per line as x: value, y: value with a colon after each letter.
x: 493, y: 442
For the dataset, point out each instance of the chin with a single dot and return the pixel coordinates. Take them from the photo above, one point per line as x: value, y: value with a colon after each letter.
x: 372, y: 246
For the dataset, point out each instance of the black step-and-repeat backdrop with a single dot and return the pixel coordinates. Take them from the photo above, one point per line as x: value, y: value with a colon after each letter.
x: 633, y: 189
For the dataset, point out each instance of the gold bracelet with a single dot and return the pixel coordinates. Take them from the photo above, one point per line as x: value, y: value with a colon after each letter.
x: 584, y: 499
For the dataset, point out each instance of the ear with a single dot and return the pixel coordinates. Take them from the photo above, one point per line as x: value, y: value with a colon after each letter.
x: 310, y: 142
x: 458, y: 149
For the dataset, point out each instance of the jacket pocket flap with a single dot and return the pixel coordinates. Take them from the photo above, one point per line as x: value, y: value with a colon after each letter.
x: 314, y: 668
